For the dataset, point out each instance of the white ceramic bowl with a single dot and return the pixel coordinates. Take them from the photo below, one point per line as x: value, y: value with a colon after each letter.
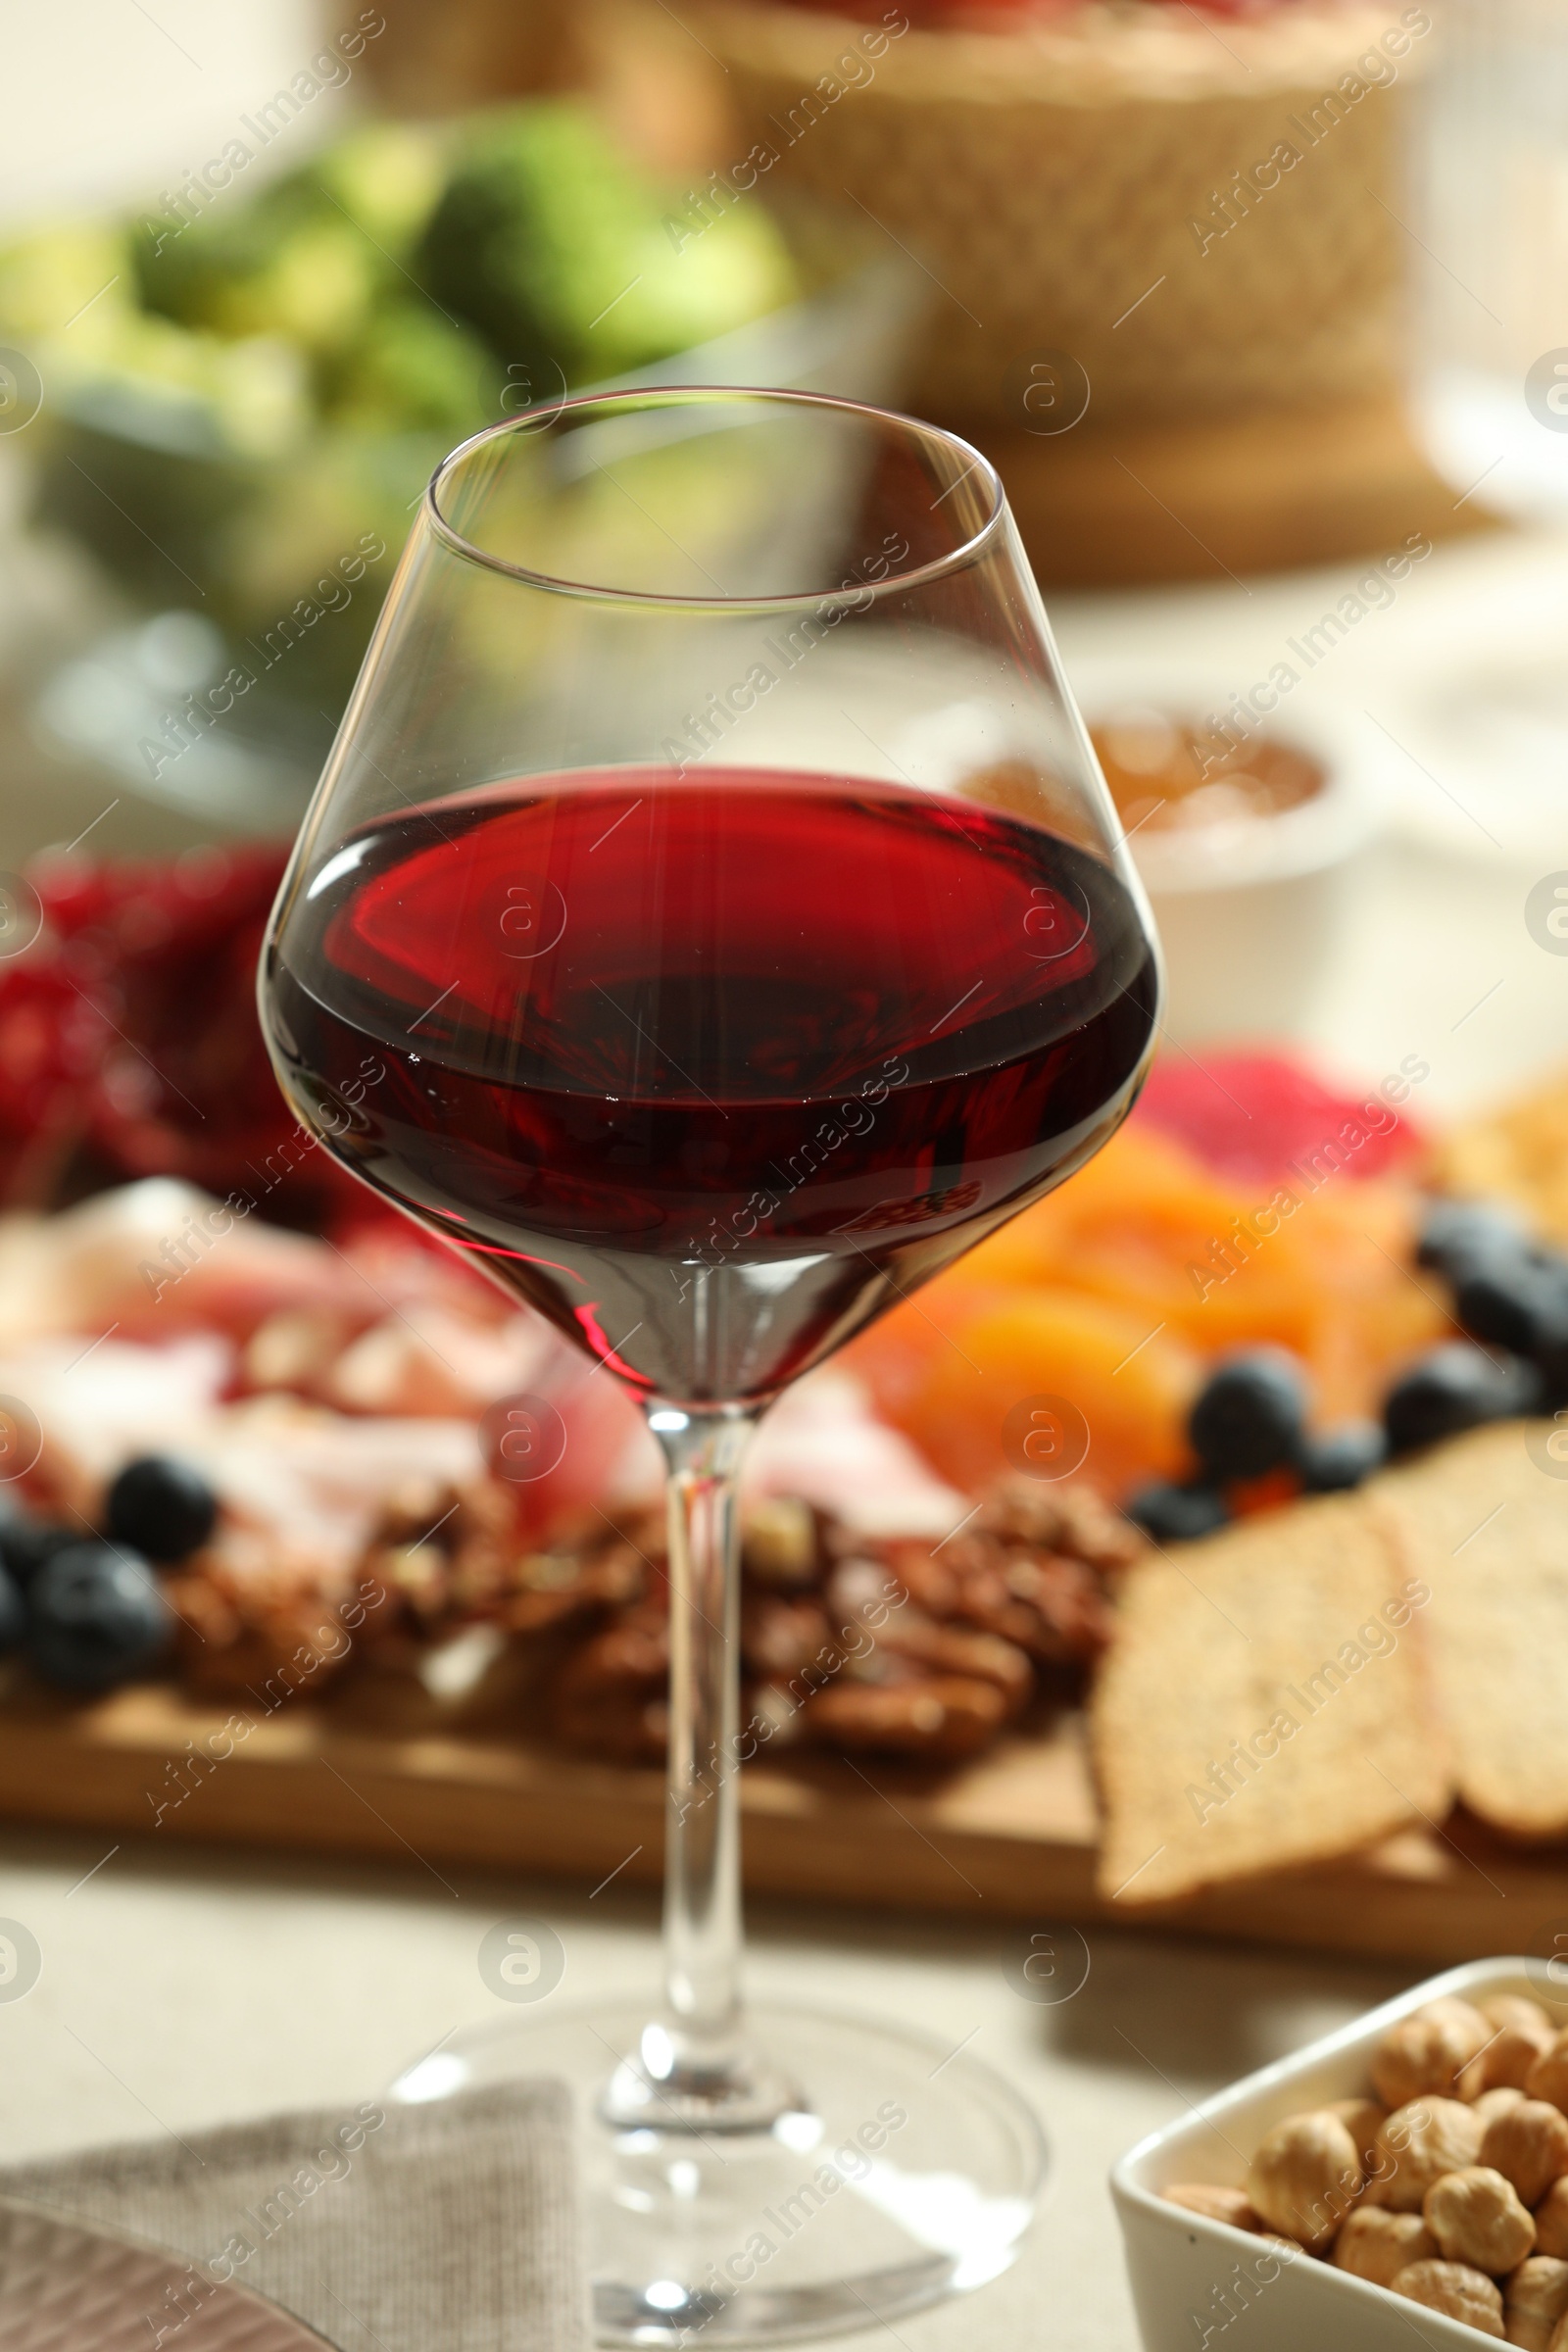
x: 1250, y: 914
x: 1186, y: 2271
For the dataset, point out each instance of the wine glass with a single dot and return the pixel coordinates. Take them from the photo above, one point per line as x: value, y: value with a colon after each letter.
x: 712, y: 921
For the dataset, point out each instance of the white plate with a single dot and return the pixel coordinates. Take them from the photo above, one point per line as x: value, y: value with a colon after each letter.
x: 1251, y: 915
x: 1186, y: 2271
x: 68, y: 2287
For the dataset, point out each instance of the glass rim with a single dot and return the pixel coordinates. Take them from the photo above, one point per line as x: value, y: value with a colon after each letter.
x: 656, y: 395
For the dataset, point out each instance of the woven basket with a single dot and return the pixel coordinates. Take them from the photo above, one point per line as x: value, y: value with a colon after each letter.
x: 1048, y: 182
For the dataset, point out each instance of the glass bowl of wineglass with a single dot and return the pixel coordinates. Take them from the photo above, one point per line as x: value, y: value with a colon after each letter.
x: 711, y: 921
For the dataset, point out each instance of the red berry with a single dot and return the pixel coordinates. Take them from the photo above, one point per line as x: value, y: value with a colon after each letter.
x: 1248, y: 1116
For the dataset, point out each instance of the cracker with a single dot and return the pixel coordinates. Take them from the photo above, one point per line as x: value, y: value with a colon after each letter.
x: 1518, y: 1154
x: 1484, y: 1521
x: 1266, y: 1702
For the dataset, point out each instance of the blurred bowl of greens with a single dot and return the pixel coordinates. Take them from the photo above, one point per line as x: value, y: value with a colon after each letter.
x: 242, y: 399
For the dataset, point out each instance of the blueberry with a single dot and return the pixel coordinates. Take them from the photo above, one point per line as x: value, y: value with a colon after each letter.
x: 1171, y: 1514
x: 1248, y: 1418
x: 13, y: 1611
x: 26, y: 1545
x: 1455, y: 1386
x: 1551, y: 1362
x: 1457, y: 1234
x: 160, y: 1507
x: 1331, y: 1460
x: 96, y: 1617
x: 1519, y: 1302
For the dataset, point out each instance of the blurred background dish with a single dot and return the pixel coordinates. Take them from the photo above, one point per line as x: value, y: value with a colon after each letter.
x: 246, y: 402
x: 1245, y: 841
x: 1166, y: 244
x: 1155, y: 144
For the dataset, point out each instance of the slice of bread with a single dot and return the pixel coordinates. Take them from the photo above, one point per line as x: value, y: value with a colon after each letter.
x: 1484, y: 1521
x: 1266, y: 1702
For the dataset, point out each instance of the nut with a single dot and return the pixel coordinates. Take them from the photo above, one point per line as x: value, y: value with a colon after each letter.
x: 1378, y: 2245
x: 1552, y: 2222
x: 780, y: 1544
x: 1513, y: 2009
x: 1492, y: 2103
x: 1548, y: 2078
x: 1231, y: 2205
x: 1528, y: 2145
x: 1455, y: 2290
x: 1476, y: 2217
x: 1417, y: 2146
x: 1515, y: 2052
x: 1363, y: 2118
x: 1534, y: 2297
x: 1521, y: 2030
x: 940, y: 1715
x: 1428, y: 2051
x: 1305, y: 2176
x: 1506, y: 2059
x: 913, y: 1638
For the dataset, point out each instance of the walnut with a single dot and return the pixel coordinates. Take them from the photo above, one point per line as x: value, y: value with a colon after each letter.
x: 1528, y: 2144
x: 611, y: 1695
x: 781, y: 1542
x: 1231, y: 2205
x: 781, y: 1634
x: 1052, y: 1606
x: 1535, y: 2298
x: 1062, y: 1519
x: 947, y: 1649
x: 938, y: 1716
x: 1417, y: 2146
x: 555, y: 1592
x: 1476, y: 2217
x: 271, y: 1634
x: 1363, y: 2118
x: 1378, y: 2245
x: 1305, y: 2176
x: 866, y: 1642
x: 1552, y: 2222
x: 1455, y: 2289
x: 1548, y: 2078
x: 1426, y: 2052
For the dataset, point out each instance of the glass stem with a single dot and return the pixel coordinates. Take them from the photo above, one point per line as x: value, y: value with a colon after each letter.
x: 702, y: 1827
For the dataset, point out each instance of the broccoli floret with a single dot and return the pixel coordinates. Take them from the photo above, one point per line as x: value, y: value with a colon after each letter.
x: 411, y: 370
x: 54, y: 275
x: 288, y: 266
x: 386, y: 177
x: 555, y: 248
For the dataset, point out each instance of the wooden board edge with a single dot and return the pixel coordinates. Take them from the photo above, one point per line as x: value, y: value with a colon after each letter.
x: 593, y: 1822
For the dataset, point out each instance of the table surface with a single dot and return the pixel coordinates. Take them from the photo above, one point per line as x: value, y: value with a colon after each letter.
x: 182, y: 1989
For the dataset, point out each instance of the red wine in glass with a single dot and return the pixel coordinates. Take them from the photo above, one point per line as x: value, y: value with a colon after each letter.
x: 741, y: 1049
x: 712, y: 921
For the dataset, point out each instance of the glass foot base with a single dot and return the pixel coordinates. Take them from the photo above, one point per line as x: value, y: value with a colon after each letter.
x: 905, y: 2173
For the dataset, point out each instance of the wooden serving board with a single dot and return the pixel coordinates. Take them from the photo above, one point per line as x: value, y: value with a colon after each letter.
x: 1010, y: 1837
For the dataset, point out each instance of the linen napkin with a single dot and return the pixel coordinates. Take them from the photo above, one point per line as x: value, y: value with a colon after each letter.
x: 388, y: 2228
